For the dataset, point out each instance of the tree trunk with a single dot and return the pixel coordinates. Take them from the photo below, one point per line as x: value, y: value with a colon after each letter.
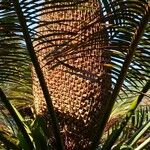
x: 72, y: 51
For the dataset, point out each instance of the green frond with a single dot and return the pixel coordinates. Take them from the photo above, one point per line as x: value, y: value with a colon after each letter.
x: 15, y: 64
x: 125, y: 30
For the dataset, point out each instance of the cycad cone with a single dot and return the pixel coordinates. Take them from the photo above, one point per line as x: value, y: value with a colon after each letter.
x: 71, y: 49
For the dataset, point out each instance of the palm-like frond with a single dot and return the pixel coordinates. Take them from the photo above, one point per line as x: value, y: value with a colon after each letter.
x: 125, y: 22
x: 129, y: 37
x: 128, y: 33
x: 124, y: 18
x: 15, y: 74
x: 136, y: 123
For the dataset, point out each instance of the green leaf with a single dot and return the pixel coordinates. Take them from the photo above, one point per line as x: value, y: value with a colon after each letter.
x: 142, y: 145
x: 18, y: 120
x: 116, y: 133
x: 8, y: 141
x: 126, y: 148
x: 39, y: 129
x: 139, y: 133
x: 22, y: 142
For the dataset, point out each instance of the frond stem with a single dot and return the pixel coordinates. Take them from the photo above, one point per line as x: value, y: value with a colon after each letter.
x: 133, y: 46
x: 39, y: 73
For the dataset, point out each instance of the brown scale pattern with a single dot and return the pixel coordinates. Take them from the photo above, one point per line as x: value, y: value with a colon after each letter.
x: 77, y: 76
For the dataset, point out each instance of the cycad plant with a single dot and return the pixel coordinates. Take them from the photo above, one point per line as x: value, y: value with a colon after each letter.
x: 86, y: 55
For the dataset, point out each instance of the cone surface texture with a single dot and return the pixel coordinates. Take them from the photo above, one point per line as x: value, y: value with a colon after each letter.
x: 71, y: 49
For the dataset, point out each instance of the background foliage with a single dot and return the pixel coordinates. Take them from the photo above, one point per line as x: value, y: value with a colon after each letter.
x: 128, y: 28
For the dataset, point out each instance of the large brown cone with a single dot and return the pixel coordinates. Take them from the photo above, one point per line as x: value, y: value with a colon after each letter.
x: 75, y: 69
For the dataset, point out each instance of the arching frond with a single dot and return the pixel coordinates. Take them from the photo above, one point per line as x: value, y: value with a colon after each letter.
x: 120, y: 27
x: 15, y: 72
